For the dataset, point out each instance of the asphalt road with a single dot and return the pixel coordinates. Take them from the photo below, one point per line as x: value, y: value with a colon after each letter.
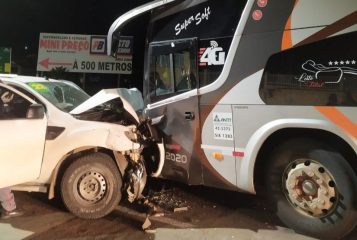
x: 205, y: 214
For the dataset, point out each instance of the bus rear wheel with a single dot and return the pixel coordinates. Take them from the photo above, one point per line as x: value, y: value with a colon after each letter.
x: 313, y: 188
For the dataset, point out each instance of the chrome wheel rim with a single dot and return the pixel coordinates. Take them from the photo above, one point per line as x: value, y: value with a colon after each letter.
x: 310, y: 187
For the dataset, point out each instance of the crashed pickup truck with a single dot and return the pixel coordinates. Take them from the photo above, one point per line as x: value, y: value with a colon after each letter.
x: 56, y: 137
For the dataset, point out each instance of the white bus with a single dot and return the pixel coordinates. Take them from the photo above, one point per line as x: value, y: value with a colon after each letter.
x: 257, y: 96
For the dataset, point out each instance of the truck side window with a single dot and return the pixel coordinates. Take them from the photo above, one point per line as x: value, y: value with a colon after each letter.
x: 25, y: 92
x: 12, y: 106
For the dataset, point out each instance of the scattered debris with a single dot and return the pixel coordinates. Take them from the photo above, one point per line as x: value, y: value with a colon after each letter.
x: 158, y: 214
x: 131, y: 196
x: 152, y: 231
x: 180, y: 209
x: 168, y: 199
x: 158, y: 202
x: 146, y: 224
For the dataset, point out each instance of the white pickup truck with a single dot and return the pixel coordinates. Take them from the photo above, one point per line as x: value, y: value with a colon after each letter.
x: 56, y: 137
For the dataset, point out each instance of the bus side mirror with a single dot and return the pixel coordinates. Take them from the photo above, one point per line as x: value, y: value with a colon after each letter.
x: 35, y: 111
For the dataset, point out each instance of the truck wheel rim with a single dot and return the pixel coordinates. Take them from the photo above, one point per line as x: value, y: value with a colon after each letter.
x: 310, y: 188
x: 91, y: 187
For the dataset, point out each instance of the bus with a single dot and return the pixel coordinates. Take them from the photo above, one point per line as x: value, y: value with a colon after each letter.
x: 256, y: 96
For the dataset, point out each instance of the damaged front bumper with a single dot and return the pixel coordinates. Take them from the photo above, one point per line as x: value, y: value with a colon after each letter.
x: 133, y: 137
x: 148, y: 160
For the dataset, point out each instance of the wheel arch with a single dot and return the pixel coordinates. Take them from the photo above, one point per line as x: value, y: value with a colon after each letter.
x: 324, y: 136
x: 68, y: 158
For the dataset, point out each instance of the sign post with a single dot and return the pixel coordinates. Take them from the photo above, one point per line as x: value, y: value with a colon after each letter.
x: 82, y: 54
x: 5, y: 60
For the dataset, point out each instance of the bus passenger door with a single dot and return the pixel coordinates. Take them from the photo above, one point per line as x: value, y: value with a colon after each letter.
x: 172, y: 96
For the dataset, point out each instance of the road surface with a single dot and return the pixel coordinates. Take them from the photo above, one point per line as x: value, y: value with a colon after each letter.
x: 201, y: 213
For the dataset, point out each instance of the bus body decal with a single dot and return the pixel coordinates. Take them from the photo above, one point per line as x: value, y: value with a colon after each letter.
x: 338, y: 118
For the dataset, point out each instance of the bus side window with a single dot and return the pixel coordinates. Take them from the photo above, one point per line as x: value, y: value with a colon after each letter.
x: 173, y: 69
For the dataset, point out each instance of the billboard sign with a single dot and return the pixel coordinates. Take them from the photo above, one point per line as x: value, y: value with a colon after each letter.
x: 5, y: 60
x: 82, y: 54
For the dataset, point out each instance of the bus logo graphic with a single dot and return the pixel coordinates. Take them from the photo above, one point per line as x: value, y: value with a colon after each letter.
x: 317, y: 75
x: 213, y: 55
x: 98, y: 45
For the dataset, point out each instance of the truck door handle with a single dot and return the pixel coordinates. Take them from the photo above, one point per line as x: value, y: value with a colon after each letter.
x: 189, y: 116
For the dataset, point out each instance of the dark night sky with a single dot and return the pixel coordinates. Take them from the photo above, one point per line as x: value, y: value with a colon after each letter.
x: 21, y: 21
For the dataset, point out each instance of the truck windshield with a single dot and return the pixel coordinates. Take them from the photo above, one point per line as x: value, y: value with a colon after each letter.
x: 63, y: 95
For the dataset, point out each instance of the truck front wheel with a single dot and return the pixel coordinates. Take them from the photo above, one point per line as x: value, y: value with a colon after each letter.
x: 313, y: 188
x: 91, y: 186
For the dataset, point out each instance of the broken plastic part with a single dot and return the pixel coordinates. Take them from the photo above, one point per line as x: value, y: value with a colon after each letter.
x: 137, y: 180
x: 162, y: 160
x: 131, y: 135
x: 146, y: 224
x: 152, y: 231
x: 181, y: 209
x: 135, y: 156
x: 131, y: 196
x: 157, y: 120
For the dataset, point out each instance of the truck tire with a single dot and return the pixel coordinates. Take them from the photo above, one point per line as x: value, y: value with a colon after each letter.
x: 91, y: 186
x: 313, y: 188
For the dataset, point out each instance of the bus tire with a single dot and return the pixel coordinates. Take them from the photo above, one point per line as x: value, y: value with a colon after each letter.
x: 312, y: 188
x: 91, y: 186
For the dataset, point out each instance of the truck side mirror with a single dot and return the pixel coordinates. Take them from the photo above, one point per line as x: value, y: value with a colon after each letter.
x: 35, y: 111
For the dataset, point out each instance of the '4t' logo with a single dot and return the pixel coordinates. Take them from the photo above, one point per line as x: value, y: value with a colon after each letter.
x: 213, y: 55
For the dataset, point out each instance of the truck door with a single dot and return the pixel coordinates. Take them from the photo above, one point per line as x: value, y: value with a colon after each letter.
x: 22, y: 138
x: 172, y: 96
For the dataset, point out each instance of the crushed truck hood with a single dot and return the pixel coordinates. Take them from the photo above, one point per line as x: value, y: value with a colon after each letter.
x: 131, y: 98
